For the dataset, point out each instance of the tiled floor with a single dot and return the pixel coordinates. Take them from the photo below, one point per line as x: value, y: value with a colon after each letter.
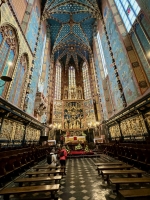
x: 81, y: 182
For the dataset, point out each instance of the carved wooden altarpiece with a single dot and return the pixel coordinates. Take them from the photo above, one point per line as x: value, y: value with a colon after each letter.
x: 73, y: 115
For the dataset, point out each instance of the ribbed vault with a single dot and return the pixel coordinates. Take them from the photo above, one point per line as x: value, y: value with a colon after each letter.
x: 71, y: 24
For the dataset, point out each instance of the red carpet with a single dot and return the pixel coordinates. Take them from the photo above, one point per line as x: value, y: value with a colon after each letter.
x: 81, y: 152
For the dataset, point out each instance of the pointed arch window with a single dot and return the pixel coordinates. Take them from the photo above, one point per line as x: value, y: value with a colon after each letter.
x: 58, y: 82
x: 102, y: 55
x: 8, y: 51
x: 128, y: 10
x: 86, y: 81
x: 19, y: 81
x: 72, y: 81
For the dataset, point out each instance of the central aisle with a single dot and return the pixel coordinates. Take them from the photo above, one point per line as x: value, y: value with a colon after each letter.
x: 82, y: 182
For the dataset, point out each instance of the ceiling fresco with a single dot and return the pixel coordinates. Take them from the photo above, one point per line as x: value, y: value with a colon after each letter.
x: 71, y: 24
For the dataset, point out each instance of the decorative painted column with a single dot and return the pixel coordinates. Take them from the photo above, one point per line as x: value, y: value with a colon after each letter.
x: 50, y: 93
x: 103, y: 82
x: 27, y: 14
x: 34, y: 76
x: 95, y: 92
x: 122, y: 96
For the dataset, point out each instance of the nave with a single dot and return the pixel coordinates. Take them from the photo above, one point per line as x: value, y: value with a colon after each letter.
x: 81, y: 182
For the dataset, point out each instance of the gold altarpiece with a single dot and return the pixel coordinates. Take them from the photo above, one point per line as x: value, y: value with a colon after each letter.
x: 69, y: 111
x: 73, y: 113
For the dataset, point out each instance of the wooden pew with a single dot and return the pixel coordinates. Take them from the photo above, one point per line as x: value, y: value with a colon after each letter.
x: 134, y: 193
x: 48, y: 167
x: 31, y: 173
x: 13, y: 161
x: 107, y: 167
x: 119, y: 181
x: 109, y: 163
x: 116, y: 172
x: 29, y: 189
x: 37, y: 179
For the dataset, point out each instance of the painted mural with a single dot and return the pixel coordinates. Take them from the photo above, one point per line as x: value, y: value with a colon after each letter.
x: 33, y: 26
x: 30, y: 98
x: 113, y: 81
x: 121, y: 59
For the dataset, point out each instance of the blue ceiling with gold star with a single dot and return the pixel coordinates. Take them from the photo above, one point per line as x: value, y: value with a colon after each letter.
x: 71, y: 24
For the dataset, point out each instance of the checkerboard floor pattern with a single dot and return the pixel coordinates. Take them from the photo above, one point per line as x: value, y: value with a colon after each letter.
x: 80, y: 183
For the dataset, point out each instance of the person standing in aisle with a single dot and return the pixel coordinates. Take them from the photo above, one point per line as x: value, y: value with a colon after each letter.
x: 63, y: 157
x: 53, y: 159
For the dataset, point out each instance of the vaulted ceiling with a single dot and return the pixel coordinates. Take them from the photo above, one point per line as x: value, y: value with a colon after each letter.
x: 71, y: 24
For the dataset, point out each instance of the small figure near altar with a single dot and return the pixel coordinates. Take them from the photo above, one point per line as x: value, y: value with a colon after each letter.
x: 78, y: 147
x: 65, y: 92
x: 62, y: 139
x: 79, y: 93
x: 67, y: 133
x: 87, y: 149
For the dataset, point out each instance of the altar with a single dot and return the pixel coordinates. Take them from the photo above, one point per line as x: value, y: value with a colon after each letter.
x: 75, y: 139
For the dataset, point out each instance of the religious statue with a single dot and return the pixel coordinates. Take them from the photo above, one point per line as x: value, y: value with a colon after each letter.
x: 79, y: 92
x: 73, y: 94
x: 65, y: 92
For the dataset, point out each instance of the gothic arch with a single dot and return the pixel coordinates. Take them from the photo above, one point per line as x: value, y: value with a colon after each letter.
x: 19, y: 80
x: 9, y: 50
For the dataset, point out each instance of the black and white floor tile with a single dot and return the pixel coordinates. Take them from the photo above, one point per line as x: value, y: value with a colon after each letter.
x: 80, y: 183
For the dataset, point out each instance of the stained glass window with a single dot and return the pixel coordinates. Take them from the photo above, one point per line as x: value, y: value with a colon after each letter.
x: 128, y: 10
x: 102, y: 54
x: 72, y: 81
x: 8, y: 49
x: 18, y: 81
x: 86, y: 81
x: 58, y: 82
